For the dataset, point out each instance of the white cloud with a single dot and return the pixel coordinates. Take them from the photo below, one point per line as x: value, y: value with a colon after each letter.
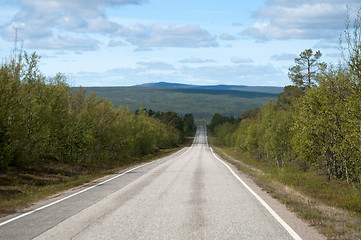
x: 154, y: 71
x: 39, y: 21
x: 196, y: 60
x: 307, y: 19
x: 226, y: 37
x: 241, y: 60
x: 83, y: 8
x: 164, y: 35
x: 284, y: 57
x: 328, y: 44
x: 75, y: 16
x: 42, y: 20
x: 158, y: 65
x: 334, y: 55
x: 117, y: 43
x: 237, y: 24
x: 24, y: 31
x: 63, y: 41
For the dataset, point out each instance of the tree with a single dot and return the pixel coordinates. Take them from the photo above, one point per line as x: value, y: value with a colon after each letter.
x: 289, y: 95
x: 43, y: 119
x: 304, y: 73
x: 250, y: 113
x: 189, y: 126
x: 218, y: 119
x: 353, y: 41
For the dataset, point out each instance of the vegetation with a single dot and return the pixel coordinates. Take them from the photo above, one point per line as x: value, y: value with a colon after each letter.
x: 202, y: 103
x: 310, y: 138
x: 332, y: 206
x: 304, y: 73
x: 315, y: 125
x: 48, y: 131
x: 243, y: 88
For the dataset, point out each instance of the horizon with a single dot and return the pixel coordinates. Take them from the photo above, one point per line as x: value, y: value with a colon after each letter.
x: 127, y: 43
x: 187, y: 84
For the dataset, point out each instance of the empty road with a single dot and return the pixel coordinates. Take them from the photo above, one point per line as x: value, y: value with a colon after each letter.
x: 189, y: 195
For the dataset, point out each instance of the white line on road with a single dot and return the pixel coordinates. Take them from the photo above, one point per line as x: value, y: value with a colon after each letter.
x: 273, y: 213
x: 84, y: 190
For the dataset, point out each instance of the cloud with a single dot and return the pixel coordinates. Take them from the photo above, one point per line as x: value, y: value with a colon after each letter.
x: 76, y: 16
x: 42, y: 20
x: 196, y: 60
x: 284, y: 57
x: 164, y: 35
x: 328, y: 44
x: 307, y: 19
x: 154, y: 71
x: 158, y: 65
x: 226, y: 37
x: 116, y: 43
x: 334, y: 55
x: 237, y: 24
x: 24, y: 31
x: 241, y: 60
x: 48, y: 56
x: 62, y: 42
x: 223, y: 73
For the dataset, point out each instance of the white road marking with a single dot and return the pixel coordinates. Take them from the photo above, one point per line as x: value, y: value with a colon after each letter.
x: 273, y: 213
x: 86, y: 189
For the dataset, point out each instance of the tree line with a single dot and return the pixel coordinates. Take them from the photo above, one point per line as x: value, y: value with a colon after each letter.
x: 45, y: 119
x: 315, y: 124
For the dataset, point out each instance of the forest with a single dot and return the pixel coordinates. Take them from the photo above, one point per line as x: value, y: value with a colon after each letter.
x: 43, y: 119
x: 202, y: 103
x: 315, y: 124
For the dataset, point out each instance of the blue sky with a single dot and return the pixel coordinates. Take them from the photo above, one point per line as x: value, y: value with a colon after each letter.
x: 206, y: 42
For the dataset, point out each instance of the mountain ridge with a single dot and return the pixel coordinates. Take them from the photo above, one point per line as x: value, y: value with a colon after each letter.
x: 266, y: 89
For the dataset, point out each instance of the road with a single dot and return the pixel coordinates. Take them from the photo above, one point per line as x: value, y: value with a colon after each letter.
x: 189, y: 195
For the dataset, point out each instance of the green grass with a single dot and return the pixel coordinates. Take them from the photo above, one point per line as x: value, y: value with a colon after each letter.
x: 202, y: 103
x: 332, y: 206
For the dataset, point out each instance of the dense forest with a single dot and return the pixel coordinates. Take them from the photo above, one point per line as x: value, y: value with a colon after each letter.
x: 43, y: 119
x: 315, y: 124
x: 202, y: 103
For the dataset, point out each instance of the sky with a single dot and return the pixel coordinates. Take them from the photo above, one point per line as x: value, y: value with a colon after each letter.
x: 204, y: 42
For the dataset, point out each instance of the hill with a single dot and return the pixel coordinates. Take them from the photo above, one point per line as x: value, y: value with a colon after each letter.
x: 203, y: 103
x: 264, y: 89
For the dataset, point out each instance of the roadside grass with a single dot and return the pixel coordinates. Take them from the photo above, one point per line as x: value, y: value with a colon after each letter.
x: 333, y: 207
x: 21, y: 187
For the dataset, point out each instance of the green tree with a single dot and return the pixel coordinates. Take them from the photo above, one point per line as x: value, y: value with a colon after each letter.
x: 352, y: 36
x: 274, y: 134
x: 189, y: 126
x: 45, y: 120
x: 218, y: 119
x: 171, y: 118
x: 289, y: 96
x: 327, y: 131
x: 304, y: 73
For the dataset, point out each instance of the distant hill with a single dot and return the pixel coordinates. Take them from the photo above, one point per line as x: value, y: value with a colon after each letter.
x: 264, y: 89
x: 202, y: 101
x: 166, y: 85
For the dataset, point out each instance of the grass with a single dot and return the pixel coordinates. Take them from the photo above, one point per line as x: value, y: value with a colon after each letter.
x: 332, y: 206
x: 21, y: 187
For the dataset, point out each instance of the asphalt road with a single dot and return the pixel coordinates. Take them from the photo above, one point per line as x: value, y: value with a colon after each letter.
x: 189, y: 195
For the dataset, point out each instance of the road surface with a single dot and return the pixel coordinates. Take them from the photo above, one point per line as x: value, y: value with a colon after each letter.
x: 189, y: 195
